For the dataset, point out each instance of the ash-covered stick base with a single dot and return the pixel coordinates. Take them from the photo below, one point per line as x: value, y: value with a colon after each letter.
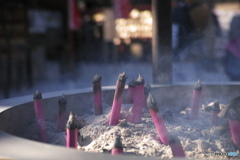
x: 117, y: 101
x: 235, y: 131
x: 158, y: 120
x: 40, y: 117
x: 196, y: 99
x: 97, y: 94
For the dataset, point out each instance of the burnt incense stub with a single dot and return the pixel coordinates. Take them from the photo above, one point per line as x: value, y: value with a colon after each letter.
x: 97, y: 78
x: 118, y: 142
x: 72, y: 122
x: 147, y: 88
x: 198, y: 85
x: 151, y: 103
x: 37, y: 95
x: 122, y: 77
x: 140, y: 80
x: 132, y: 83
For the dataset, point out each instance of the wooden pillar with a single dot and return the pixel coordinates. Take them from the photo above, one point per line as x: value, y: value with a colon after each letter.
x: 162, y: 42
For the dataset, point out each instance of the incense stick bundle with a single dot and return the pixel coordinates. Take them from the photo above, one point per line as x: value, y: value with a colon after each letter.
x: 117, y: 100
x: 196, y: 99
x: 158, y: 120
x: 72, y: 132
x: 138, y: 100
x: 40, y: 117
x: 97, y: 91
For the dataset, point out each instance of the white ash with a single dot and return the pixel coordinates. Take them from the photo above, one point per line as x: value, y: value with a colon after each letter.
x: 198, y: 137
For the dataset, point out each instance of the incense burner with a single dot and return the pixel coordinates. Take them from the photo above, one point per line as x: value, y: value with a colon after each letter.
x: 17, y: 113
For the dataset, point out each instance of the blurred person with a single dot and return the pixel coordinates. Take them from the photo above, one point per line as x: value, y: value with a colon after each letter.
x: 203, y: 34
x: 182, y: 26
x: 232, y: 58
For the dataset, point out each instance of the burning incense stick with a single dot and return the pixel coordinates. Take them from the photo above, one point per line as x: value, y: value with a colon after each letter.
x: 232, y: 113
x: 131, y: 87
x: 72, y: 132
x: 158, y: 120
x: 117, y: 147
x: 61, y: 113
x: 97, y: 90
x: 40, y: 116
x: 117, y: 101
x: 176, y: 146
x: 147, y: 89
x: 196, y: 99
x: 138, y: 100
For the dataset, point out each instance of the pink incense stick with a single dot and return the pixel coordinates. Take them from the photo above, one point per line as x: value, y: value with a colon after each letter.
x: 232, y: 112
x: 117, y: 100
x: 158, y: 120
x: 147, y: 89
x: 138, y: 100
x: 235, y: 131
x: 40, y: 116
x: 176, y: 146
x: 72, y: 132
x: 214, y: 113
x: 61, y: 113
x: 117, y: 147
x: 196, y: 99
x: 131, y: 87
x: 97, y: 91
